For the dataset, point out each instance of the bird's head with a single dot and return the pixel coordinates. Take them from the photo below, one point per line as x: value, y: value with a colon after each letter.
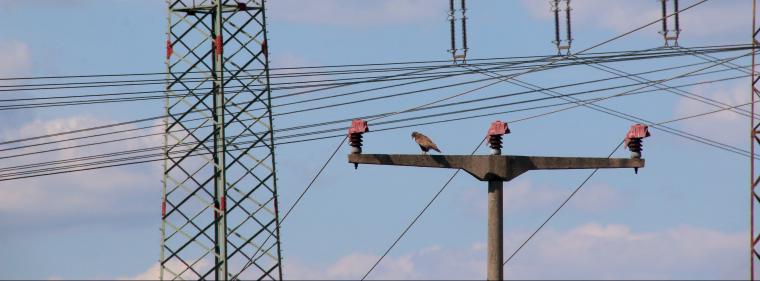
x: 415, y: 134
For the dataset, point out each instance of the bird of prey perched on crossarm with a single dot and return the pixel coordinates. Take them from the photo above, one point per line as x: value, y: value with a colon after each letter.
x: 424, y: 142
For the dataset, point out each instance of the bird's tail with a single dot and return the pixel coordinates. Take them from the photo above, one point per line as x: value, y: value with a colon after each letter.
x: 436, y: 149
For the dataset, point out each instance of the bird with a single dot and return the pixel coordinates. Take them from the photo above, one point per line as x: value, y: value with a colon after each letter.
x: 424, y: 142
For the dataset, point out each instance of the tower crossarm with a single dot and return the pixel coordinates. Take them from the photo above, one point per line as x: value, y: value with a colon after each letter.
x: 495, y: 167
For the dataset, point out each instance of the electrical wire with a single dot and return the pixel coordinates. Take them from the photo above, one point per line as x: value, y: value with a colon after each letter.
x: 98, y: 127
x: 195, y: 119
x: 619, y: 114
x: 280, y: 130
x: 343, y: 128
x: 287, y: 70
x: 569, y: 63
x: 678, y: 92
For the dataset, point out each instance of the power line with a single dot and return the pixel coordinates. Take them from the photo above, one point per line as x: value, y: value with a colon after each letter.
x: 278, y: 130
x: 122, y: 123
x: 654, y: 82
x: 736, y: 150
x: 619, y: 114
x: 366, y: 80
x: 310, y: 139
x: 286, y: 70
x: 719, y: 145
x: 678, y: 92
x: 90, y: 99
x: 148, y: 119
x: 135, y: 121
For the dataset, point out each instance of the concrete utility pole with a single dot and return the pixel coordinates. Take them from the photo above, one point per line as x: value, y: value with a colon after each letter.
x: 496, y: 169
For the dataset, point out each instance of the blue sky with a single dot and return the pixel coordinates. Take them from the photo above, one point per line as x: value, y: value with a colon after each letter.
x: 683, y: 216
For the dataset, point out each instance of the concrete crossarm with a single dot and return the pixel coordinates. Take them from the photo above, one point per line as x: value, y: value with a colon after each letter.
x: 495, y: 167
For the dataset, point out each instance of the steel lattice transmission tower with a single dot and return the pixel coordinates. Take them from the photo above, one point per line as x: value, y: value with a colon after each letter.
x: 754, y: 255
x: 220, y: 194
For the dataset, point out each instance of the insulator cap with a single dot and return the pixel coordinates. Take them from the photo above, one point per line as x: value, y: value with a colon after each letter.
x: 498, y: 128
x: 358, y: 126
x: 638, y: 131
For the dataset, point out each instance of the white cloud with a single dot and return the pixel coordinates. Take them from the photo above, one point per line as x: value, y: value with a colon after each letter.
x: 15, y: 61
x: 589, y: 251
x: 65, y: 197
x: 597, y: 251
x: 15, y: 58
x: 290, y: 60
x: 717, y: 17
x: 522, y: 195
x: 154, y: 271
x: 422, y: 264
x: 357, y: 13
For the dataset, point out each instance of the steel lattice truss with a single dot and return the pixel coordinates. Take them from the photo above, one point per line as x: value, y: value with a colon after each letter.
x: 755, y: 140
x: 220, y: 196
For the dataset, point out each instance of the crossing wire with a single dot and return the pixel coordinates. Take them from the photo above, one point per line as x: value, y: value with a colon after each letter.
x: 682, y: 93
x: 36, y: 165
x: 61, y: 170
x: 151, y: 119
x: 129, y: 122
x: 278, y: 130
x: 286, y: 69
x: 616, y: 113
x: 90, y: 99
x: 195, y: 119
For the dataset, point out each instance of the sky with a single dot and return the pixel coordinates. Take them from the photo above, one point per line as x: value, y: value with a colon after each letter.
x: 683, y: 216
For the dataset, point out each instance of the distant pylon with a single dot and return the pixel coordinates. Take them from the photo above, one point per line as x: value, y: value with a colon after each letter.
x: 220, y: 192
